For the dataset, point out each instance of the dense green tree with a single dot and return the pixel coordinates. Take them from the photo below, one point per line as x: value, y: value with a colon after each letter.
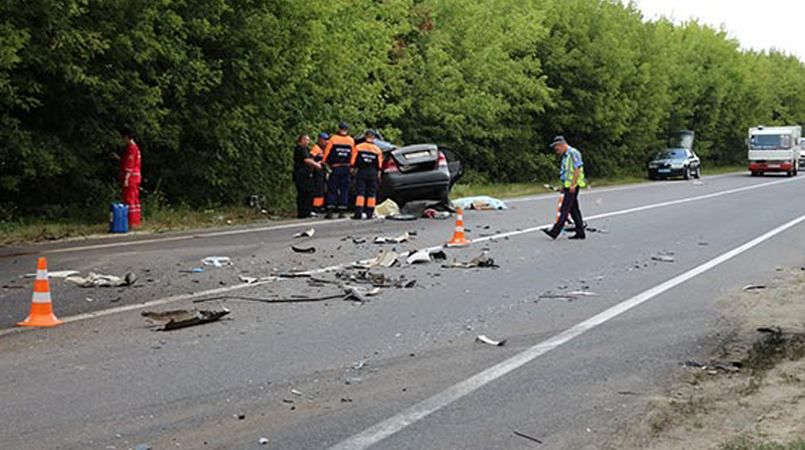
x: 217, y: 90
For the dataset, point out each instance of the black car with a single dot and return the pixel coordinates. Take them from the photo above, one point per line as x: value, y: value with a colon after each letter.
x: 417, y: 172
x: 677, y: 161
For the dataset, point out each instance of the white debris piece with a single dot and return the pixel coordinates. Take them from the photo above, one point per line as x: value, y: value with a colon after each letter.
x: 307, y: 233
x: 217, y: 261
x: 100, y: 280
x: 483, y: 339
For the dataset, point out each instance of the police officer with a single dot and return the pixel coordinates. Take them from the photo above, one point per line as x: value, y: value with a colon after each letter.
x: 319, y: 176
x: 337, y: 155
x: 366, y: 162
x: 303, y: 167
x: 571, y: 174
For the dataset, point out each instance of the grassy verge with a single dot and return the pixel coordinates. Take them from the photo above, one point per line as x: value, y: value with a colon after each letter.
x: 510, y: 190
x: 751, y: 443
x: 177, y: 219
x: 163, y: 220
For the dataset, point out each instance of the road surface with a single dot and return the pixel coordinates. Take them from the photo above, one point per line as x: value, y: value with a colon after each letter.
x: 402, y: 371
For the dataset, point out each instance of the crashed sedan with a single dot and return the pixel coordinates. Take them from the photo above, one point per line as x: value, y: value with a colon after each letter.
x: 417, y: 172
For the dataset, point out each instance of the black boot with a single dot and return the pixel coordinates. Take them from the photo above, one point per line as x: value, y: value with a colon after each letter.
x: 550, y: 233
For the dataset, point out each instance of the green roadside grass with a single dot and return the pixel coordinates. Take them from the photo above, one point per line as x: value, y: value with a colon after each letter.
x: 165, y: 219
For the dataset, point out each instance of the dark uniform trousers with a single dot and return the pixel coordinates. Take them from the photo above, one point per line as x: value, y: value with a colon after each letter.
x: 570, y: 206
x: 338, y: 188
x: 304, y: 194
x: 366, y: 190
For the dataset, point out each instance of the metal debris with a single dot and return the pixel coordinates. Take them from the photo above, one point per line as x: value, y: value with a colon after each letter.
x: 358, y: 365
x: 217, y: 261
x: 754, y: 287
x: 263, y: 441
x: 307, y: 233
x: 383, y: 259
x: 483, y: 339
x: 296, y: 392
x: 182, y: 318
x: 482, y: 261
x: 392, y: 240
x: 663, y: 258
x: 252, y: 280
x: 303, y: 249
x: 525, y: 436
x: 56, y: 274
x: 99, y: 280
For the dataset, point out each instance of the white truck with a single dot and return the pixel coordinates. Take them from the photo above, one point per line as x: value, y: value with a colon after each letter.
x: 774, y: 149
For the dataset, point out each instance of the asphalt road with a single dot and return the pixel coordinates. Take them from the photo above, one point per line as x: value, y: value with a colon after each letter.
x: 570, y: 373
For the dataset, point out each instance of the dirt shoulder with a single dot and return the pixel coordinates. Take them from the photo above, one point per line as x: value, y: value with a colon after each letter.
x: 750, y: 394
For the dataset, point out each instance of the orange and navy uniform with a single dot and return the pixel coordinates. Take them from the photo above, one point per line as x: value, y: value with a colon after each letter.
x: 339, y: 150
x: 317, y: 153
x: 337, y: 156
x: 367, y: 160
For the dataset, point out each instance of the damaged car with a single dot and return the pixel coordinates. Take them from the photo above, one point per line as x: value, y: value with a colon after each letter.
x: 678, y: 160
x: 417, y: 172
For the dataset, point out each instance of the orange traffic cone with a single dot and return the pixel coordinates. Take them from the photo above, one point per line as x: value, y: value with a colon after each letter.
x: 459, y: 240
x: 41, y: 308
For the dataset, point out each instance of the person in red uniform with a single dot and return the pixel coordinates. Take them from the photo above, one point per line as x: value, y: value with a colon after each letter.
x: 366, y: 162
x: 130, y: 177
x: 337, y: 156
x: 319, y: 177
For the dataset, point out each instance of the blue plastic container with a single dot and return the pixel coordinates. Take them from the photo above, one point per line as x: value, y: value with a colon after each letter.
x: 119, y: 218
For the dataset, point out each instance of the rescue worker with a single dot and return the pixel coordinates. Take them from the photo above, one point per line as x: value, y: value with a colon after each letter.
x: 303, y: 167
x: 337, y: 155
x: 319, y: 176
x: 571, y: 174
x: 366, y: 164
x: 130, y: 177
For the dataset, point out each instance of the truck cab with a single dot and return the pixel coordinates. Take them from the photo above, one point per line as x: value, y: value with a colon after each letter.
x: 774, y: 149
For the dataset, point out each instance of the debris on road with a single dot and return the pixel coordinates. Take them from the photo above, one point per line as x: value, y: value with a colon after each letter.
x: 392, y: 240
x: 384, y: 259
x: 193, y: 270
x: 483, y: 339
x: 56, y: 274
x: 182, y: 318
x: 296, y: 392
x: 431, y: 213
x: 402, y: 217
x: 387, y: 208
x: 358, y: 241
x: 551, y: 187
x: 663, y: 258
x: 754, y: 287
x: 567, y: 296
x: 582, y: 294
x: 142, y: 447
x: 294, y: 275
x: 263, y: 441
x: 100, y: 280
x: 525, y: 436
x: 252, y: 280
x: 358, y: 365
x: 419, y: 257
x: 307, y: 233
x: 217, y: 261
x: 303, y: 249
x: 482, y: 261
x: 480, y: 203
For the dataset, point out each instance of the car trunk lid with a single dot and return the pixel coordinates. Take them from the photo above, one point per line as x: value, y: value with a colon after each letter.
x: 416, y: 158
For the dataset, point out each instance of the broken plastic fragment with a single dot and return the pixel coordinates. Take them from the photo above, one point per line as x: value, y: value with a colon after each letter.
x: 483, y: 339
x: 663, y: 258
x: 307, y: 233
x: 389, y: 240
x: 173, y: 320
x: 99, y: 280
x: 217, y: 261
x: 303, y: 249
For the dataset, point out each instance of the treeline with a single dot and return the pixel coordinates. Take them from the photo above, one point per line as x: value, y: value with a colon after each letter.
x: 216, y: 90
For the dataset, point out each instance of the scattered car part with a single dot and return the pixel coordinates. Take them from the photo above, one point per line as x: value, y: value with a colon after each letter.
x: 100, y: 280
x: 182, y: 318
x: 307, y: 233
x: 217, y: 261
x: 303, y: 249
x: 483, y: 339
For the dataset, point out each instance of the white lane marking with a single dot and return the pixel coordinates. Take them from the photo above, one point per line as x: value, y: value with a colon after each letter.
x: 236, y: 287
x: 191, y: 236
x: 419, y: 411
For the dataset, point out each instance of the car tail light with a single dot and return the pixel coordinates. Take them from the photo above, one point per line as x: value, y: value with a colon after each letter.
x: 442, y: 160
x: 390, y: 166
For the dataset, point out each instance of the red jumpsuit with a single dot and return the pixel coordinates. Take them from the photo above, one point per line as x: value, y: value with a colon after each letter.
x: 130, y: 180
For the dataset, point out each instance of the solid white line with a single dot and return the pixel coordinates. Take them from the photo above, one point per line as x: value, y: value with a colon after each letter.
x: 191, y: 236
x: 419, y: 411
x: 236, y: 287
